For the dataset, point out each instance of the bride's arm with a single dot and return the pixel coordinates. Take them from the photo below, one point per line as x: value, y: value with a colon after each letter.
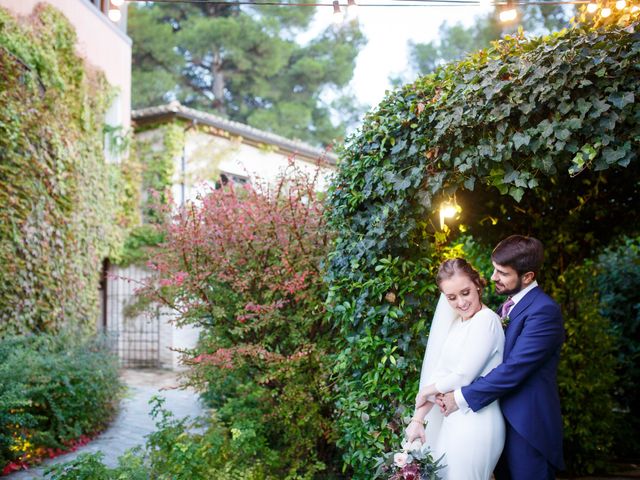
x: 481, y: 345
x: 415, y: 429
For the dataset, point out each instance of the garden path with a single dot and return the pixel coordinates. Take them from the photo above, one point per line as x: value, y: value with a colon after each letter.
x: 133, y: 421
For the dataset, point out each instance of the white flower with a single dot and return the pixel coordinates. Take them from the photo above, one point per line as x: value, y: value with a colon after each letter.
x: 400, y: 459
x: 414, y: 446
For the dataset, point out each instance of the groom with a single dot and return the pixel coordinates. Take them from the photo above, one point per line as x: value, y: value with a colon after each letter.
x: 526, y: 381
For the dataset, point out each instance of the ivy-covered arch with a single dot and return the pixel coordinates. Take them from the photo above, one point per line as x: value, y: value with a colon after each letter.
x: 535, y: 136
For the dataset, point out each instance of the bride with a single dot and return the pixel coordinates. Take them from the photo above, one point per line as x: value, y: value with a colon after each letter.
x: 466, y: 341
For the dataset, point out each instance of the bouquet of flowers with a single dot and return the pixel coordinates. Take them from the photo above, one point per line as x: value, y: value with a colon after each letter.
x: 413, y: 462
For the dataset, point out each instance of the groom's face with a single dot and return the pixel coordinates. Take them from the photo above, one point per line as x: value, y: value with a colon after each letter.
x: 506, y: 280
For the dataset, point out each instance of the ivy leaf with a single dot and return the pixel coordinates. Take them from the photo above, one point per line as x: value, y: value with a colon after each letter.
x: 612, y: 156
x: 399, y: 146
x: 520, y: 139
x: 621, y: 99
x: 517, y: 193
x: 470, y: 183
x: 563, y: 134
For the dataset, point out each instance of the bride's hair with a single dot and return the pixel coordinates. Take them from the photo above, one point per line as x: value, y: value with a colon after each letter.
x: 449, y: 268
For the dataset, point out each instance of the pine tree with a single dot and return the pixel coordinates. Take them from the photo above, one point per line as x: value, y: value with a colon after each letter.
x: 245, y: 63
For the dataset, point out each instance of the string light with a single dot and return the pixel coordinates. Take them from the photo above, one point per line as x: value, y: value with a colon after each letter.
x: 634, y: 9
x: 337, y: 13
x: 352, y: 8
x: 509, y: 13
x: 620, y: 4
x: 115, y: 15
x: 592, y: 8
x: 606, y: 11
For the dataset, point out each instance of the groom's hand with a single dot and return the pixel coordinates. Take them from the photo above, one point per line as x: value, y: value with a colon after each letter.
x: 447, y: 403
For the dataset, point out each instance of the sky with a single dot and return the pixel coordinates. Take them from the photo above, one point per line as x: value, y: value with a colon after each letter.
x: 388, y: 29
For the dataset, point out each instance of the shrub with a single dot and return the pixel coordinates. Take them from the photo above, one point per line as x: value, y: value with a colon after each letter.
x: 586, y: 374
x: 618, y: 283
x: 179, y: 449
x: 54, y: 390
x: 245, y: 266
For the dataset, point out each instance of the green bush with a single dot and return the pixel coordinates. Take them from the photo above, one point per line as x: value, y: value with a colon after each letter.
x: 618, y: 283
x: 180, y: 449
x: 586, y: 374
x: 54, y: 389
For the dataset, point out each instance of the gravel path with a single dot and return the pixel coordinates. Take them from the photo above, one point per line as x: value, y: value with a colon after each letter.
x: 133, y: 421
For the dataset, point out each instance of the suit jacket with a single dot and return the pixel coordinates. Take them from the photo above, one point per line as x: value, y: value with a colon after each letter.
x: 526, y: 381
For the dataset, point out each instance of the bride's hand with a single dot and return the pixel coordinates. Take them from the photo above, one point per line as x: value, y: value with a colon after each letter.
x: 421, y: 399
x: 414, y: 430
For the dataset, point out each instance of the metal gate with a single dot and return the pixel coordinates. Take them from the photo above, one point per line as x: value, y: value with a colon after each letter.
x: 134, y: 337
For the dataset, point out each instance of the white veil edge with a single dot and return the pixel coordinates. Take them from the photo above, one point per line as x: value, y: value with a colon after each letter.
x: 443, y: 318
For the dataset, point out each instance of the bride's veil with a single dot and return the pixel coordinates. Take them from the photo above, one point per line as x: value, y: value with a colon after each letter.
x: 442, y: 320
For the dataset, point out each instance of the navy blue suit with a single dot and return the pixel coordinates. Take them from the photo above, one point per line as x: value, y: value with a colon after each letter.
x: 526, y: 384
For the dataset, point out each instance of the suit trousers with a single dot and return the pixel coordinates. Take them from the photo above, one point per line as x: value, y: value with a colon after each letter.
x: 520, y: 461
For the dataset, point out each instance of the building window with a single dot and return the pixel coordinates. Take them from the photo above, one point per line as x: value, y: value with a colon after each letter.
x: 226, y: 178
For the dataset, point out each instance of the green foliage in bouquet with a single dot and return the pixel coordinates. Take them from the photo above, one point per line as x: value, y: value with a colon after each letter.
x: 535, y: 136
x: 54, y: 389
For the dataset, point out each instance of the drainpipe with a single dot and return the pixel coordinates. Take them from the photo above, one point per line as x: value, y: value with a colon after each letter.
x: 183, y: 161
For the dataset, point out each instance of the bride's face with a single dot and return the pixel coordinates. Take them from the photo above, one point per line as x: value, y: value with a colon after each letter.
x: 463, y: 295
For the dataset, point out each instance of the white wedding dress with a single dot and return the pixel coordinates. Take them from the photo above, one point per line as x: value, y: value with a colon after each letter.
x: 457, y: 353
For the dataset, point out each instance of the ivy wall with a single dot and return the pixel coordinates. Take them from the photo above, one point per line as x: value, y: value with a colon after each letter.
x: 61, y: 211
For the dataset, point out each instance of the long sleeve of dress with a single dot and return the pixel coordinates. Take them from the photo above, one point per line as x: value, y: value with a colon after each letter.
x: 479, y: 344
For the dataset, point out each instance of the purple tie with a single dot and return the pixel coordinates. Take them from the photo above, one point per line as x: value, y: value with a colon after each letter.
x: 506, y: 307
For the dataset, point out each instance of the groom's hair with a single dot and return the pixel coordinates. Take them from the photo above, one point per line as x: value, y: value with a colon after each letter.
x: 523, y: 254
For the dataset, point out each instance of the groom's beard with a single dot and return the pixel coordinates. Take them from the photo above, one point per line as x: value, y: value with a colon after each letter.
x: 511, y: 291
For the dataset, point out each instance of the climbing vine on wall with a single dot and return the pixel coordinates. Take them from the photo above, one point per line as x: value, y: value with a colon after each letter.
x: 60, y: 201
x: 151, y: 167
x: 528, y: 125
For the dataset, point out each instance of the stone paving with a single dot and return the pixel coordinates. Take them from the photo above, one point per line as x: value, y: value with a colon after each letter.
x: 133, y: 421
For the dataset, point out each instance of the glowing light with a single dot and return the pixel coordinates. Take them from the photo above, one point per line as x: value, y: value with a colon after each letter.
x: 508, y: 15
x: 606, y: 11
x: 117, y: 3
x: 634, y: 9
x: 115, y: 15
x: 447, y: 210
x: 592, y: 7
x: 337, y: 13
x: 352, y: 8
x: 620, y: 4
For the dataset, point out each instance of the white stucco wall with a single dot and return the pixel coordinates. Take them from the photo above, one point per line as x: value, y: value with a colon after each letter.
x: 207, y: 154
x: 103, y: 44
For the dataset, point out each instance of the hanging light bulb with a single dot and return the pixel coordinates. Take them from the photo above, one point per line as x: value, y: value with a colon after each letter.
x: 606, y: 11
x: 508, y: 13
x: 116, y: 3
x: 337, y: 13
x: 352, y: 8
x: 592, y: 8
x: 620, y: 4
x: 115, y: 15
x: 635, y: 9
